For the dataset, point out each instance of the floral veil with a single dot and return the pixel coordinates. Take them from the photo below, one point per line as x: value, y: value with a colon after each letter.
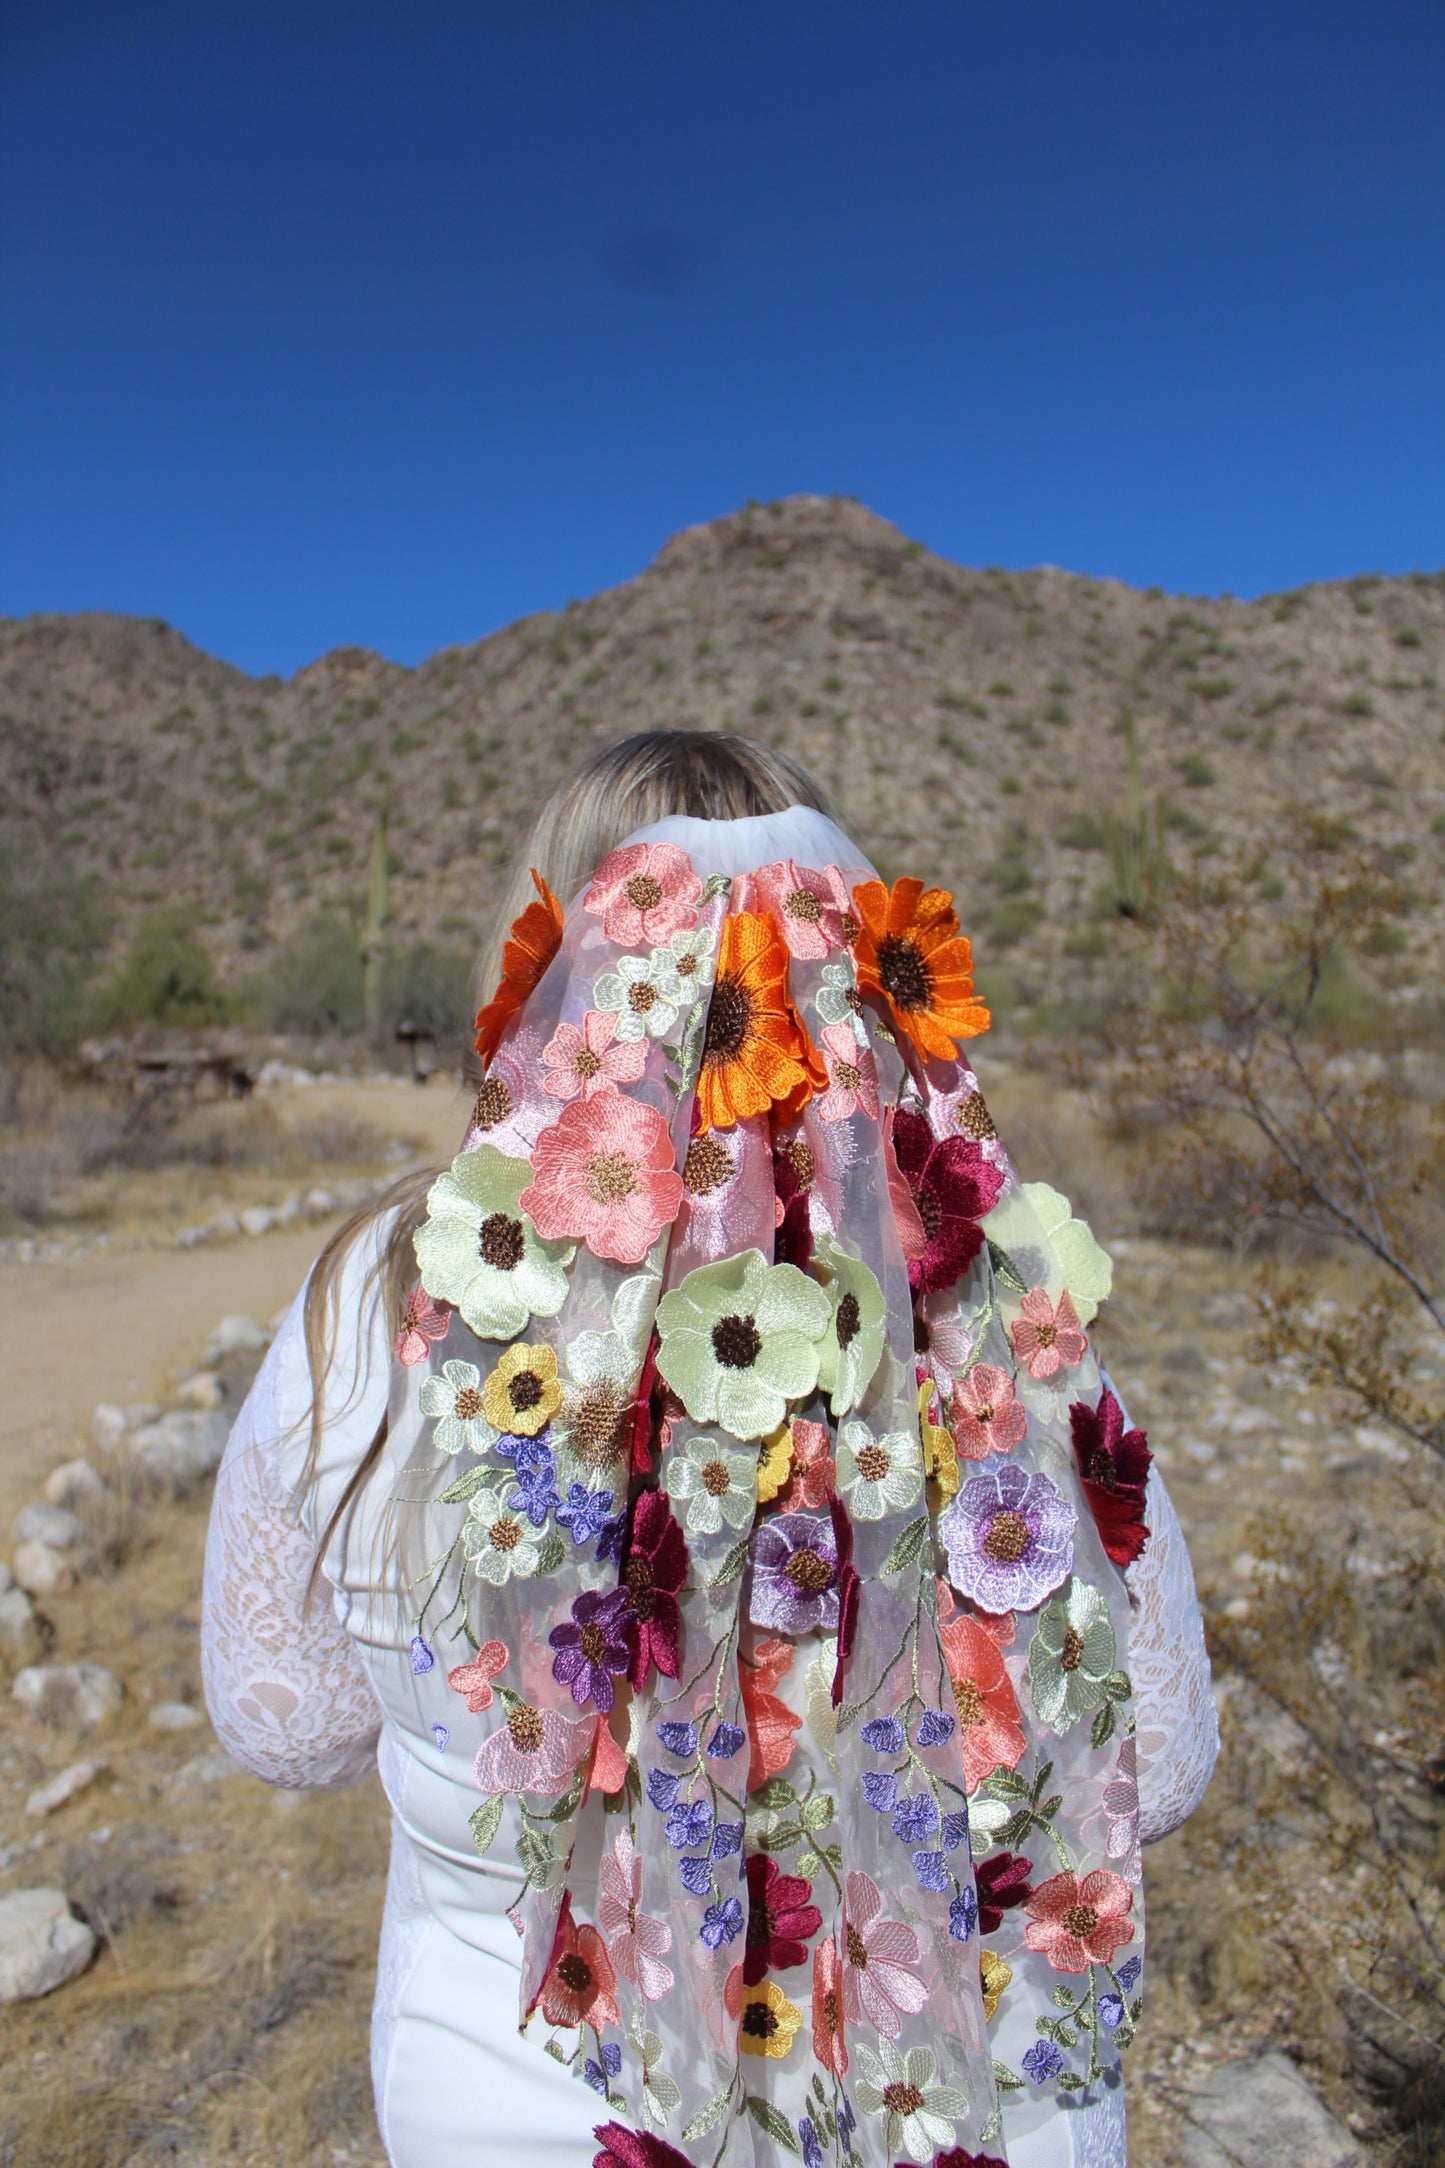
x: 784, y: 1522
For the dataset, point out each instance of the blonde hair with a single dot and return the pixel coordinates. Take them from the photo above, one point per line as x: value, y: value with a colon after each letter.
x: 708, y: 775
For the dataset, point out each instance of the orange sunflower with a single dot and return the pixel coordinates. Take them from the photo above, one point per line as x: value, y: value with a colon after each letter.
x: 757, y: 1054
x: 534, y: 940
x: 910, y: 954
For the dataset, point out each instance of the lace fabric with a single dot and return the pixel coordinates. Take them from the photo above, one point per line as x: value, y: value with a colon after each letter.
x: 1178, y: 1730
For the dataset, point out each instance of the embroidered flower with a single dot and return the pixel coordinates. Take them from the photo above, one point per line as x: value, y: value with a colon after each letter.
x: 772, y: 1725
x: 958, y: 2157
x: 475, y: 1679
x: 623, y: 2148
x: 782, y: 1919
x: 655, y: 1570
x: 878, y: 1476
x: 829, y: 2046
x: 499, y: 1545
x: 534, y: 940
x: 990, y: 1733
x: 852, y: 1344
x: 994, y: 1976
x: 812, y: 1480
x: 592, y: 1429
x: 511, y: 1106
x: 768, y: 2023
x: 682, y: 971
x: 605, y: 1172
x: 585, y: 1512
x: 741, y: 1338
x: 455, y: 1401
x: 880, y: 1957
x: 716, y: 1483
x: 838, y: 1000
x: 535, y: 1750
x: 1071, y: 1656
x: 952, y: 1186
x: 795, y: 1573
x: 852, y: 1077
x: 721, y: 1924
x: 422, y: 1322
x: 637, y: 1940
x: 536, y: 1492
x: 1042, y: 2062
x: 988, y: 1416
x: 808, y: 906
x: 1087, y: 1267
x: 914, y: 963
x: 774, y: 1463
x: 479, y: 1251
x: 634, y: 995
x: 756, y: 1054
x: 918, y: 2113
x: 1002, y: 1881
x: 1114, y: 1463
x: 522, y: 1394
x: 1047, y: 1337
x: 940, y: 1457
x: 941, y: 1340
x: 644, y: 892
x: 1076, y: 1923
x: 1010, y: 1538
x: 593, y: 1646
x: 581, y: 1988
x: 582, y: 1062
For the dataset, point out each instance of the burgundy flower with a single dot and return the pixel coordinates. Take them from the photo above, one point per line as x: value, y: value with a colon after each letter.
x: 1114, y: 1464
x: 642, y: 1422
x: 794, y: 1170
x: 622, y: 2148
x: 953, y: 1185
x: 781, y: 1917
x: 1002, y: 1882
x: 653, y: 1572
x: 849, y: 1590
x: 593, y: 1646
x: 957, y: 2157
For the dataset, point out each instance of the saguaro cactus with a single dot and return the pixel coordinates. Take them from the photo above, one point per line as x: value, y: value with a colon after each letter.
x: 373, y: 944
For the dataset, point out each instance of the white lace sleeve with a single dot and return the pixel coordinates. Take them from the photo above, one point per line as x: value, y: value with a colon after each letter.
x: 284, y: 1683
x: 1178, y: 1732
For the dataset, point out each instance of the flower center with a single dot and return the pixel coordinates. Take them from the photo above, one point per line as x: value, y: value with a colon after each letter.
x: 853, y: 998
x: 410, y: 1319
x: 715, y: 1478
x: 802, y: 1161
x: 802, y: 903
x: 1101, y: 1468
x: 874, y: 1463
x: 524, y: 1390
x: 1008, y: 1537
x: 586, y: 1063
x: 831, y: 2011
x: 575, y: 1973
x: 642, y: 997
x: 760, y: 2020
x: 855, y: 1949
x: 847, y: 1320
x: 1071, y: 1654
x: 643, y: 891
x: 902, y: 972
x: 1080, y: 1920
x: 611, y: 1177
x: 974, y: 1118
x: 969, y: 1701
x: 984, y: 1415
x: 729, y: 1021
x: 736, y: 1342
x: 494, y: 1103
x: 846, y: 1076
x: 1046, y: 1334
x: 641, y: 1588
x: 501, y: 1242
x: 593, y: 1642
x: 525, y: 1725
x: 707, y: 1166
x: 593, y: 1421
x: 469, y: 1403
x: 505, y: 1533
x: 930, y: 1211
x: 686, y: 966
x: 849, y: 927
x: 902, y: 2099
x: 760, y: 1924
x: 809, y: 1573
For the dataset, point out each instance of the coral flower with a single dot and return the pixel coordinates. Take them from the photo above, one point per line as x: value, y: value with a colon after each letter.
x: 644, y: 893
x: 952, y: 1186
x: 771, y: 1723
x: 580, y: 1063
x: 987, y: 1414
x: 655, y: 1570
x: 988, y: 1711
x: 782, y: 1918
x: 534, y: 940
x: 605, y: 1172
x: 1114, y: 1464
x: 756, y: 1054
x: 1047, y: 1338
x: 767, y: 2022
x: 475, y: 1679
x: 813, y: 1480
x: 880, y: 1957
x: 637, y: 1940
x: 829, y: 2046
x: 852, y: 1076
x: 422, y: 1322
x: 810, y: 907
x: 913, y: 960
x: 581, y: 1987
x: 536, y: 1750
x: 1076, y: 1923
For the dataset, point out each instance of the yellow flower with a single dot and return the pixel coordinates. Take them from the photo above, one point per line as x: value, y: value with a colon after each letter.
x: 776, y: 1462
x: 995, y: 1976
x: 940, y: 1456
x: 769, y: 2022
x: 522, y: 1394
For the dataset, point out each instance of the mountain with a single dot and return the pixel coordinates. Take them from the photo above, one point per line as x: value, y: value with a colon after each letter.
x: 970, y: 724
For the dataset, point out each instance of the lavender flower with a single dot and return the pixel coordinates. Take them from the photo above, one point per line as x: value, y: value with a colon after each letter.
x: 1043, y: 2062
x: 1010, y: 1538
x: 585, y: 1512
x: 721, y: 1923
x: 727, y: 1740
x: 795, y: 1574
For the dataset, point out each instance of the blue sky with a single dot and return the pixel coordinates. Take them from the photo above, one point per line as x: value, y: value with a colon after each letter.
x: 335, y: 322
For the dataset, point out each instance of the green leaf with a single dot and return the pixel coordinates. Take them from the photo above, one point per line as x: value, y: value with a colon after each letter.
x: 781, y: 1839
x: 818, y: 1813
x: 1015, y: 1829
x: 1005, y: 2080
x: 716, y: 884
x: 486, y: 1821
x: 709, y: 2113
x: 552, y: 1553
x: 1117, y: 1686
x: 1067, y: 2037
x: 1070, y: 2082
x: 534, y: 1850
x: 1102, y: 1728
x: 833, y: 1853
x: 907, y: 1546
x: 731, y: 1566
x: 773, y: 1795
x: 777, y: 2126
x: 1046, y: 1770
x: 665, y: 2092
x: 466, y: 1486
x: 557, y: 2052
x: 1005, y: 1784
x: 1049, y: 1809
x: 848, y: 1714
x: 1006, y: 1270
x: 1062, y: 1999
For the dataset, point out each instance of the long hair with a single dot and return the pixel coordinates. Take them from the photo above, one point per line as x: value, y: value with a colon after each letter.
x: 707, y: 775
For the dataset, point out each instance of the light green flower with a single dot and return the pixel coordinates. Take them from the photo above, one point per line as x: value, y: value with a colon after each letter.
x: 1071, y: 1656
x: 599, y: 1378
x: 838, y: 1000
x: 988, y: 1818
x: 500, y: 1544
x: 918, y: 2114
x: 634, y: 994
x: 1087, y: 1267
x: 740, y: 1339
x: 853, y: 1341
x: 682, y: 972
x: 455, y: 1399
x: 479, y: 1251
x: 715, y: 1483
x: 878, y: 1475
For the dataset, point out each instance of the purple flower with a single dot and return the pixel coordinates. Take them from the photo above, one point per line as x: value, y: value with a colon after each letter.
x: 955, y: 1829
x: 1010, y: 1538
x: 722, y: 1923
x: 679, y: 1738
x: 536, y: 1493
x: 695, y: 1875
x: 930, y: 1870
x: 609, y: 1541
x: 524, y: 1453
x: 1129, y: 1972
x: 727, y: 1740
x: 727, y: 1839
x: 690, y: 1822
x: 1043, y: 2062
x: 884, y: 1734
x: 597, y: 2074
x: 442, y: 1736
x: 585, y: 1511
x: 662, y: 1788
x: 593, y: 1647
x: 880, y: 1789
x: 963, y: 1915
x: 934, y: 1727
x: 1111, y: 2011
x: 915, y: 1818
x: 812, y: 2151
x: 422, y: 1659
x: 795, y: 1574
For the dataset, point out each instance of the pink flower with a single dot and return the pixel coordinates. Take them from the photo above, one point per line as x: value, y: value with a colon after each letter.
x: 581, y: 1986
x: 536, y: 1750
x: 475, y: 1679
x: 941, y: 1341
x: 605, y: 1173
x: 852, y: 1076
x: 586, y: 1060
x: 637, y: 1940
x: 807, y: 905
x: 880, y: 1985
x: 987, y: 1415
x: 422, y: 1322
x: 1078, y: 1923
x: 644, y: 893
x: 812, y: 1479
x: 1048, y: 1339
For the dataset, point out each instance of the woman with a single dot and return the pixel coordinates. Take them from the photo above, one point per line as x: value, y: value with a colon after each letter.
x: 771, y: 1634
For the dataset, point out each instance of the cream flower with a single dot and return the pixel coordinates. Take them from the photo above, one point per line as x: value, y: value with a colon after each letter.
x: 682, y: 971
x: 918, y: 2114
x: 878, y: 1475
x: 853, y: 1342
x: 454, y: 1400
x: 634, y: 992
x: 600, y: 1371
x: 740, y: 1339
x: 479, y: 1251
x: 716, y: 1483
x: 500, y: 1545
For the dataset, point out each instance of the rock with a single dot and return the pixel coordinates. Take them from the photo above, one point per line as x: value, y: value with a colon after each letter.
x: 181, y: 1448
x: 204, y: 1391
x: 74, y: 1483
x: 320, y: 1202
x: 65, y: 1786
x: 174, y: 1716
x: 77, y: 1694
x: 1259, y: 2111
x: 258, y: 1219
x: 42, y: 1943
x: 210, y: 1768
x: 237, y: 1335
x: 55, y: 1525
x: 40, y: 1570
x: 19, y: 1629
x: 107, y: 1427
x: 222, y: 1224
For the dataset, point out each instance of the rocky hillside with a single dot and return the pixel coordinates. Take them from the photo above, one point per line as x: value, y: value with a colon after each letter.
x: 971, y: 725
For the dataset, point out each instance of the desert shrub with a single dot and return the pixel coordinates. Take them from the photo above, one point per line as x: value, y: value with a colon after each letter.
x: 1082, y: 833
x: 429, y: 988
x: 314, y: 981
x: 167, y: 976
x: 52, y: 935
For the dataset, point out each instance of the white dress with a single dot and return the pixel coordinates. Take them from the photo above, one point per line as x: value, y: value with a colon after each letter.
x: 314, y: 1699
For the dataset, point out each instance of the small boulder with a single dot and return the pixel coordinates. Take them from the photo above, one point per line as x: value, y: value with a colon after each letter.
x: 80, y: 1695
x: 258, y: 1219
x: 319, y: 1202
x: 74, y: 1483
x: 107, y: 1426
x: 63, y: 1787
x: 40, y: 1570
x: 180, y: 1449
x: 174, y: 1716
x: 223, y: 1225
x: 237, y: 1335
x: 55, y: 1525
x: 20, y: 1636
x: 1259, y: 2111
x: 42, y: 1943
x: 204, y: 1391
